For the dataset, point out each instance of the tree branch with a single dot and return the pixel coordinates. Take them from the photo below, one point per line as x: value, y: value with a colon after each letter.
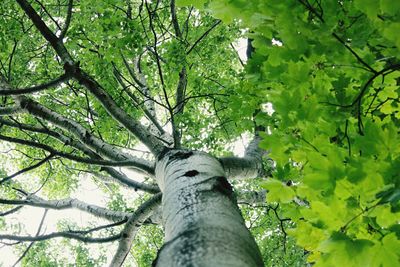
x: 83, y: 134
x: 216, y: 23
x: 11, y: 211
x: 133, y: 126
x: 10, y: 110
x: 249, y: 166
x: 123, y: 179
x: 175, y: 19
x: 63, y: 78
x: 131, y: 227
x: 68, y: 203
x: 34, y: 166
x: 67, y: 155
x: 67, y: 20
x: 31, y: 244
x: 79, y: 237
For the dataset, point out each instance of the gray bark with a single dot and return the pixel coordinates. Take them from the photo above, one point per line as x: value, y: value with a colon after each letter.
x: 203, y: 225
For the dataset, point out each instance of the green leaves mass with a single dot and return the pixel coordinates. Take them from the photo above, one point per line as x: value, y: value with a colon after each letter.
x: 334, y: 85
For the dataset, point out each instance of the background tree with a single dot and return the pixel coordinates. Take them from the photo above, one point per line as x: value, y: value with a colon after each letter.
x: 83, y: 84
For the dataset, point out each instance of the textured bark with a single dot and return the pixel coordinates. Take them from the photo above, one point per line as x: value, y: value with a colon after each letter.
x: 203, y: 225
x: 131, y: 227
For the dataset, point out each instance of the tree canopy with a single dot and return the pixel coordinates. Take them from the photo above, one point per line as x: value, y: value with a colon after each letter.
x: 92, y: 92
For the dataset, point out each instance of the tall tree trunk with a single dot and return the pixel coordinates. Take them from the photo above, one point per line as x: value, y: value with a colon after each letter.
x: 203, y: 224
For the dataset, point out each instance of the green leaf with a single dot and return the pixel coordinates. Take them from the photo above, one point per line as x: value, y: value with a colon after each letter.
x: 278, y: 192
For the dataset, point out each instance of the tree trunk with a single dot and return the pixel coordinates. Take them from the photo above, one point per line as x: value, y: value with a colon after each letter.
x: 203, y: 224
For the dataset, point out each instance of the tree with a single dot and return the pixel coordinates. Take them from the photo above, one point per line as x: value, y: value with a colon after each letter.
x: 129, y: 71
x: 82, y: 85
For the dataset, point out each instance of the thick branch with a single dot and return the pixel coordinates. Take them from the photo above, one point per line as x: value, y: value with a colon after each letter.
x: 46, y: 32
x: 122, y: 178
x: 131, y: 227
x: 175, y: 19
x: 10, y: 110
x: 180, y: 103
x: 251, y: 197
x: 249, y: 166
x: 115, y: 175
x: 68, y: 203
x: 83, y: 134
x: 133, y: 126
x: 67, y: 155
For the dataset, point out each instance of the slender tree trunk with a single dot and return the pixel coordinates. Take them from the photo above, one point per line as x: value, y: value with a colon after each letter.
x: 203, y: 225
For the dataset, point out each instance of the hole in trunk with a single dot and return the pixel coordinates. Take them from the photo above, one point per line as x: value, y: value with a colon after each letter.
x: 191, y: 173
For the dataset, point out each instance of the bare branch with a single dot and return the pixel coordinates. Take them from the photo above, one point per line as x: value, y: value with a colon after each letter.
x: 11, y: 211
x: 115, y: 175
x: 67, y: 20
x: 84, y: 135
x: 79, y: 237
x: 34, y: 166
x: 67, y: 155
x: 148, y: 107
x: 31, y: 244
x: 123, y: 179
x: 216, y: 23
x: 68, y: 203
x: 251, y: 197
x: 180, y: 104
x: 63, y: 78
x: 131, y: 227
x: 175, y: 22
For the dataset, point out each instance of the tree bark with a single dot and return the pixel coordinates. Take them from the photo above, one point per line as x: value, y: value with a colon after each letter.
x: 203, y: 224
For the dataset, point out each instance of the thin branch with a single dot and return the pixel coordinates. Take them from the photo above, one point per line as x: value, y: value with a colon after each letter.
x: 216, y: 23
x: 24, y: 170
x: 359, y: 59
x: 31, y: 244
x: 54, y: 83
x: 48, y: 13
x: 67, y: 20
x: 79, y: 237
x: 11, y: 211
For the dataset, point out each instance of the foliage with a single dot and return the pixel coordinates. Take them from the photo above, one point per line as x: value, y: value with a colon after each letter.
x: 331, y: 71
